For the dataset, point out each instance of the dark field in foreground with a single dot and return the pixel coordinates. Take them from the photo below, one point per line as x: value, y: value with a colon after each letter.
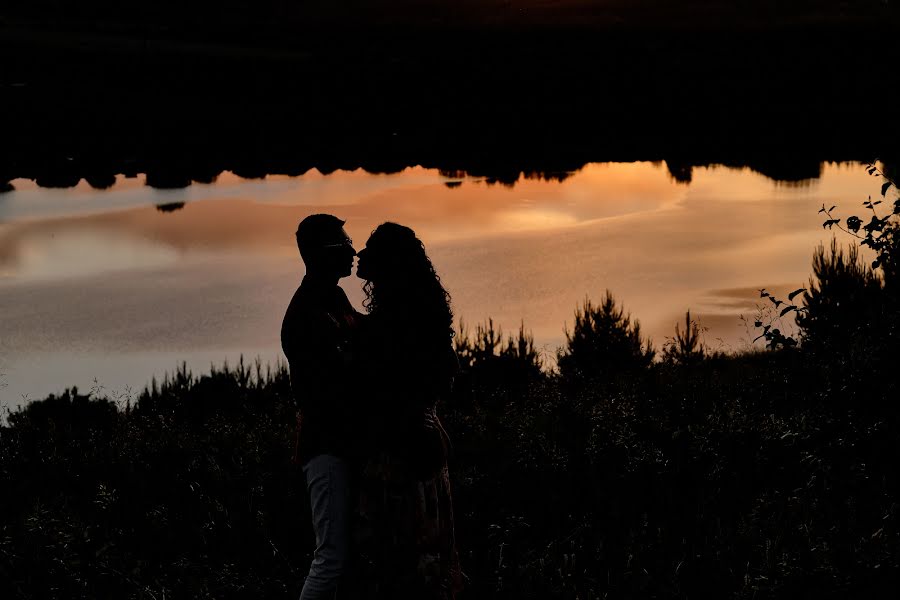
x: 762, y: 475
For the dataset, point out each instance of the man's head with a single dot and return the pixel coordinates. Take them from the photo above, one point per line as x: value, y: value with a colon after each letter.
x: 325, y: 247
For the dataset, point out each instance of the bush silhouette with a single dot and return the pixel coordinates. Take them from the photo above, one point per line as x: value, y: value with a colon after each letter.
x: 890, y: 260
x: 844, y: 303
x: 491, y: 362
x: 718, y: 480
x: 70, y: 419
x: 685, y: 348
x: 603, y: 343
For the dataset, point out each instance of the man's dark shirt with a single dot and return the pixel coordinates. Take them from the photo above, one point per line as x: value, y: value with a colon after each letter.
x: 316, y: 337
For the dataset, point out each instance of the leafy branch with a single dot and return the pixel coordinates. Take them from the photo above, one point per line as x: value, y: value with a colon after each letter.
x: 774, y: 336
x: 878, y: 233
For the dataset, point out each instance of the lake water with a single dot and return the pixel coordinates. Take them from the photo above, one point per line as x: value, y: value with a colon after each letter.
x: 102, y: 289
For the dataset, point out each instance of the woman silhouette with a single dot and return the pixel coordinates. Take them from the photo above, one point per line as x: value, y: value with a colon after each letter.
x: 406, y: 515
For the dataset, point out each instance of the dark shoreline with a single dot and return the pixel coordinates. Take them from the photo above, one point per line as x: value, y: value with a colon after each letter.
x: 487, y: 101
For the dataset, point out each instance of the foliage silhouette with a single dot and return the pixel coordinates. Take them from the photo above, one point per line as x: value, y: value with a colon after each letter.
x: 880, y: 233
x: 853, y: 310
x: 747, y: 476
x: 517, y: 356
x: 774, y: 313
x: 603, y: 343
x: 686, y: 348
x: 844, y: 304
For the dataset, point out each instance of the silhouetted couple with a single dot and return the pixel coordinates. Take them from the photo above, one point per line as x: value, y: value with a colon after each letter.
x: 372, y: 450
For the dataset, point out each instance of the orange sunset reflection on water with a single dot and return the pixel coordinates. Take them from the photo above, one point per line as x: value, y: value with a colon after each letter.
x: 102, y: 284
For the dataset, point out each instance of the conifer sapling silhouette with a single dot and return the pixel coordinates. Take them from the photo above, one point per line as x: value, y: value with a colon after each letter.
x: 604, y: 342
x: 686, y: 348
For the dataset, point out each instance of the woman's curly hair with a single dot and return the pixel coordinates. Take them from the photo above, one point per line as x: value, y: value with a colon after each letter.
x: 405, y: 285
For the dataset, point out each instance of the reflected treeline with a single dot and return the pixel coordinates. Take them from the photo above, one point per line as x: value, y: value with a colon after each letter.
x: 798, y: 171
x: 89, y: 99
x: 784, y: 169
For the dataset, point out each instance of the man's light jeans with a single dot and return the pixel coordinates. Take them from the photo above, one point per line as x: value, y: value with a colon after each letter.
x: 328, y: 483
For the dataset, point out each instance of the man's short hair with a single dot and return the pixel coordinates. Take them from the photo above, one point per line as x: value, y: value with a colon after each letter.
x: 317, y: 230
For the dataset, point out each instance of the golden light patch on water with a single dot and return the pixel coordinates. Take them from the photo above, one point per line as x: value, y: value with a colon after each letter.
x: 528, y: 219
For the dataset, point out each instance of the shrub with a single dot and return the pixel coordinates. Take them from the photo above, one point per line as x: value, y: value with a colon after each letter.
x: 603, y: 344
x: 844, y: 304
x: 686, y: 348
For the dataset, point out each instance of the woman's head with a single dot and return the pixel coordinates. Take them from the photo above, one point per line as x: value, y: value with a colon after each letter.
x: 400, y: 279
x: 392, y: 253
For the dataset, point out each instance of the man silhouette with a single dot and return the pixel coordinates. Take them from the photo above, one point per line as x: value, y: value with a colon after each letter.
x: 316, y: 337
